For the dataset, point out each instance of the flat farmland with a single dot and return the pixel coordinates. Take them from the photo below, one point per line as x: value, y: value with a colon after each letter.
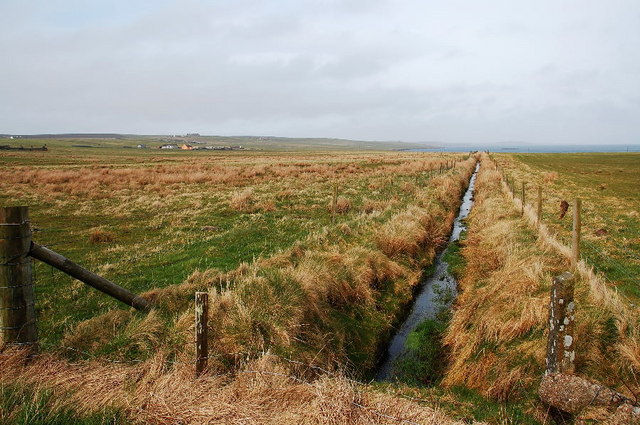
x: 150, y: 219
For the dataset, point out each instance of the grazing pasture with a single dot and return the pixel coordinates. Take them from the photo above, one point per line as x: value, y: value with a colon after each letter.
x: 148, y: 221
x: 310, y: 257
x: 608, y: 186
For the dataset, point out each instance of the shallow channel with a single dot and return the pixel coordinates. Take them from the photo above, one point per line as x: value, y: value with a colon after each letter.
x: 427, y: 304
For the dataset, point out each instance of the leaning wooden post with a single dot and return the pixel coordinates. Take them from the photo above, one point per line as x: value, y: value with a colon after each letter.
x: 17, y: 302
x: 575, y: 246
x: 523, y: 199
x: 202, y: 344
x: 539, y: 214
x: 560, y: 345
x: 100, y: 283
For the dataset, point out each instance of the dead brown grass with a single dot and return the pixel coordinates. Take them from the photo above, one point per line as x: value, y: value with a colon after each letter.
x: 265, y: 391
x: 549, y: 177
x: 328, y: 300
x: 242, y: 200
x: 101, y: 236
x: 342, y: 205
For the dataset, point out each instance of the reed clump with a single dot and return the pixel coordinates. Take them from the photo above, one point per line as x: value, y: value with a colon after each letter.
x: 101, y: 236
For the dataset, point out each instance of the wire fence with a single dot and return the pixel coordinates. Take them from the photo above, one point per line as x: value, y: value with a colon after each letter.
x: 612, y: 270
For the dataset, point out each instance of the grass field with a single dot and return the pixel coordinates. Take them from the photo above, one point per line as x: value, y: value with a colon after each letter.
x: 309, y: 259
x: 148, y: 219
x: 311, y: 256
x: 608, y: 187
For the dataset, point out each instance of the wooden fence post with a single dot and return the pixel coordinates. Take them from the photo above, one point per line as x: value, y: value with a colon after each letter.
x: 202, y: 344
x: 575, y: 246
x: 523, y: 199
x: 539, y: 215
x: 100, y: 283
x: 560, y: 345
x: 17, y: 302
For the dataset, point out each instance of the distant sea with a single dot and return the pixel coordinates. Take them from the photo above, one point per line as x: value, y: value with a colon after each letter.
x: 533, y: 148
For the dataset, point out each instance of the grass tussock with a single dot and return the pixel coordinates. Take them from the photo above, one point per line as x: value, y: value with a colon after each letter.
x: 242, y: 200
x: 101, y: 236
x: 341, y: 205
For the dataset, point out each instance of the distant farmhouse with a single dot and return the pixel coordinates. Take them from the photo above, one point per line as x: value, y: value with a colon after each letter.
x: 186, y: 147
x: 169, y: 146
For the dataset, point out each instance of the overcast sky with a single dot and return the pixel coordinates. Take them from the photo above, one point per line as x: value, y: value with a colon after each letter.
x: 539, y: 71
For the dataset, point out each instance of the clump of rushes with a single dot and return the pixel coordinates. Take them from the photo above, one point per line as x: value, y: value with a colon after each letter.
x: 340, y: 205
x: 242, y: 200
x: 101, y: 236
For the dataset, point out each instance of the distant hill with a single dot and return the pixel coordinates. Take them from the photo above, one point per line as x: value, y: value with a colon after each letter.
x: 275, y: 143
x: 71, y: 136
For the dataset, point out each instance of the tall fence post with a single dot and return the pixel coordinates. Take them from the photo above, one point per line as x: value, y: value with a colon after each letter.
x: 539, y: 213
x: 523, y: 200
x: 575, y: 246
x: 560, y: 345
x: 17, y: 302
x: 202, y: 344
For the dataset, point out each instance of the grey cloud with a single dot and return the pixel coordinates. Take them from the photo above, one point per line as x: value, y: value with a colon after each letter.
x: 411, y: 70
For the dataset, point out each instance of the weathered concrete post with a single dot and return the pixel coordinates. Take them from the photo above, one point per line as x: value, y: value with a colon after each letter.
x: 560, y: 345
x: 575, y: 246
x: 17, y: 305
x: 202, y: 343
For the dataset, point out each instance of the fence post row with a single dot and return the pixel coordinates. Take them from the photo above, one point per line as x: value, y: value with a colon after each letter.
x: 202, y: 343
x: 17, y: 306
x: 560, y: 345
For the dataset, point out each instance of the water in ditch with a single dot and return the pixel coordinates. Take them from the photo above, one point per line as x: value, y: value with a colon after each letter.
x: 429, y: 301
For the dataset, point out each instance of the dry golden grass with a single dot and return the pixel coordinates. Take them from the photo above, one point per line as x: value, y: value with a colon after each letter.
x: 101, y: 236
x: 242, y: 200
x: 341, y: 205
x: 330, y: 299
x: 264, y: 391
x: 297, y: 300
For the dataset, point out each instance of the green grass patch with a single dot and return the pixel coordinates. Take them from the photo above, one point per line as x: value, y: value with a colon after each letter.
x: 607, y: 185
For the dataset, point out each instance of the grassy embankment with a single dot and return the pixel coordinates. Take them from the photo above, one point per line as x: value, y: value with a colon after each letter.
x: 496, y: 342
x: 331, y: 298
